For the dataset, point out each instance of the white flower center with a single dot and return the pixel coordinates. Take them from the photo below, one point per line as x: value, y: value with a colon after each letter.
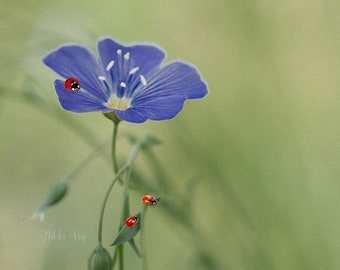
x: 117, y: 103
x: 125, y: 72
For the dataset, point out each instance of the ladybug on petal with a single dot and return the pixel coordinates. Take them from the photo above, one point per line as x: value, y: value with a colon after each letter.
x: 72, y: 84
x: 149, y: 199
x: 131, y: 221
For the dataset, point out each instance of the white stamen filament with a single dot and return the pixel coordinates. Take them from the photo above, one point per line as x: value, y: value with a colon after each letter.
x: 134, y: 70
x: 110, y: 65
x: 143, y: 80
x: 102, y: 78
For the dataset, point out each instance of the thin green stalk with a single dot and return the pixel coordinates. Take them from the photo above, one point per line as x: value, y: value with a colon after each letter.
x: 121, y: 257
x: 124, y: 214
x: 128, y: 164
x: 113, y: 149
x: 125, y: 211
x: 125, y: 207
x: 114, y: 259
x: 108, y: 191
x: 142, y: 242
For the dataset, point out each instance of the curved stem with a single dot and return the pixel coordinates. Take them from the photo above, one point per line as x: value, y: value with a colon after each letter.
x: 128, y: 164
x: 108, y: 191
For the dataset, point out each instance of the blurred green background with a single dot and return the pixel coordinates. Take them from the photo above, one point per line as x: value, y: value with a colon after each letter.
x: 263, y: 145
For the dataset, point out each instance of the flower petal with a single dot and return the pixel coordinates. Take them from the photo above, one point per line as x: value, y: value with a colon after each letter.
x: 164, y: 95
x: 132, y: 73
x: 140, y: 55
x: 78, y: 102
x: 77, y: 62
x: 174, y: 79
x: 158, y: 108
x: 132, y: 115
x: 145, y: 57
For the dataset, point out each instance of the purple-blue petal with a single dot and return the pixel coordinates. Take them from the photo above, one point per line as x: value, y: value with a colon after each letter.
x: 78, y: 102
x: 165, y: 93
x: 174, y: 79
x: 162, y: 107
x: 133, y: 72
x: 146, y: 57
x: 77, y: 62
x: 132, y: 115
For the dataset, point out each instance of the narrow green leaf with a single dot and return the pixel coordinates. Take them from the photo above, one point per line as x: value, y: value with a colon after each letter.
x: 127, y: 233
x: 134, y: 247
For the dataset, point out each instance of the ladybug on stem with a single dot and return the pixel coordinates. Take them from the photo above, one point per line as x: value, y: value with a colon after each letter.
x: 149, y: 199
x: 131, y: 221
x: 72, y: 84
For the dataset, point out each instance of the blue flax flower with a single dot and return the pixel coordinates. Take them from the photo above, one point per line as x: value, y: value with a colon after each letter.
x: 127, y: 80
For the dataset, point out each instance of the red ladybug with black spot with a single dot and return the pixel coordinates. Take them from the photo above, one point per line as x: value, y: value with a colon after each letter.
x: 131, y: 221
x: 149, y: 200
x: 72, y: 85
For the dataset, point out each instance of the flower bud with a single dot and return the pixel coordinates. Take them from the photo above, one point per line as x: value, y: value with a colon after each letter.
x: 99, y: 259
x: 56, y: 193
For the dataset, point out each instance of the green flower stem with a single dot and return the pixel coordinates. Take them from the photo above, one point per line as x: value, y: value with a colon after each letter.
x: 121, y: 257
x: 114, y: 259
x: 142, y: 242
x: 113, y: 149
x: 128, y: 164
x: 125, y: 208
x: 125, y: 213
x: 118, y: 172
x: 108, y: 191
x: 113, y: 117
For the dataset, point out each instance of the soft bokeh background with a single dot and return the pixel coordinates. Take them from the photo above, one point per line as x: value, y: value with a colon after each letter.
x: 264, y: 145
